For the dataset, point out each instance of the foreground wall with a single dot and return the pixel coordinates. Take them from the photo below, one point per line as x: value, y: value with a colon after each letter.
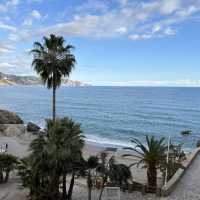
x: 171, y: 184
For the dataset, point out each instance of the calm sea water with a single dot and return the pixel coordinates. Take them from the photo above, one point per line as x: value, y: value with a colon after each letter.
x: 113, y: 115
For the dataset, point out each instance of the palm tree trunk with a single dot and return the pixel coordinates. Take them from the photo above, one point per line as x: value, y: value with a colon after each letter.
x: 102, y: 189
x: 89, y: 193
x: 54, y: 104
x: 54, y: 187
x: 64, y: 187
x: 1, y: 176
x: 152, y: 178
x: 70, y: 191
x: 89, y: 184
x: 7, y: 176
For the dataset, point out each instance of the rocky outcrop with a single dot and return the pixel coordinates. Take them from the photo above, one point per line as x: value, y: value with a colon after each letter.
x: 11, y: 130
x: 31, y: 127
x: 7, y: 117
x: 11, y: 125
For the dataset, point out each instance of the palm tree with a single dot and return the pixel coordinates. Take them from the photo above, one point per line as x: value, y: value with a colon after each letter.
x: 71, y: 143
x: 54, y: 154
x: 52, y: 60
x: 110, y: 170
x: 91, y: 164
x: 29, y: 176
x: 119, y: 174
x: 151, y: 156
x: 8, y: 163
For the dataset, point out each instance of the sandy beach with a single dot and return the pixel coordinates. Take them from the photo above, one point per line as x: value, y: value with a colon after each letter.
x: 19, y: 146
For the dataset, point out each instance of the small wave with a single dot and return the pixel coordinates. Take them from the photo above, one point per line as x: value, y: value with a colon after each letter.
x: 108, y: 142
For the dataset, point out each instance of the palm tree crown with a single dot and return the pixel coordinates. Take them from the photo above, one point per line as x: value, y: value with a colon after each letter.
x: 52, y: 60
x: 150, y: 155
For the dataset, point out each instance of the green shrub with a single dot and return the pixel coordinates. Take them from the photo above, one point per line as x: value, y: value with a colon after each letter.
x: 8, y: 163
x: 198, y: 144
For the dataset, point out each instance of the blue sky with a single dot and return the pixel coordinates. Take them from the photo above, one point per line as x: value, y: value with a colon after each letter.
x: 118, y: 42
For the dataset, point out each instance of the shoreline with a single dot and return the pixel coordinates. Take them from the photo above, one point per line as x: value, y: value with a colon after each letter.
x: 103, y: 145
x: 19, y: 146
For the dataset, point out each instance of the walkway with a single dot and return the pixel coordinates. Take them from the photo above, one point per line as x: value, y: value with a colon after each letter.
x: 189, y: 186
x: 12, y: 191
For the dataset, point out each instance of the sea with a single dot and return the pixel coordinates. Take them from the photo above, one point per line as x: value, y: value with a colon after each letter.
x: 113, y: 115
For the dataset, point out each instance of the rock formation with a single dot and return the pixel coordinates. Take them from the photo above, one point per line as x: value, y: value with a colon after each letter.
x: 31, y: 127
x: 7, y: 117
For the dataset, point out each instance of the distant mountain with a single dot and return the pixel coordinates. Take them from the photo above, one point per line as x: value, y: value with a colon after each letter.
x: 9, y: 79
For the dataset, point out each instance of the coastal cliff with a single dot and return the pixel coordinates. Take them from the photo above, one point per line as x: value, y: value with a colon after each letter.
x: 9, y: 79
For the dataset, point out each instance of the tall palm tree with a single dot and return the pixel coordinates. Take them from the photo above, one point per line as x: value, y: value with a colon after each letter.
x: 151, y: 155
x: 52, y: 60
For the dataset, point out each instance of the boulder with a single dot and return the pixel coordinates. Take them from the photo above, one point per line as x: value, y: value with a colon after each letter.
x: 31, y: 127
x: 7, y: 117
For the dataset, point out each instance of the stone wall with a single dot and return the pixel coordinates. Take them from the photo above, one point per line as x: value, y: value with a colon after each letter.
x: 171, y: 184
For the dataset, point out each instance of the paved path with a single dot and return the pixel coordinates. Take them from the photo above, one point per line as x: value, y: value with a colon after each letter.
x: 11, y: 190
x: 189, y: 186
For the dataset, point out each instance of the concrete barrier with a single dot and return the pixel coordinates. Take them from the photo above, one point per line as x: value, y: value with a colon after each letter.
x: 171, y: 184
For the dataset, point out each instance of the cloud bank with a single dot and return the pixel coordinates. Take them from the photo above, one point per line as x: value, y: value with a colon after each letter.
x: 24, y: 21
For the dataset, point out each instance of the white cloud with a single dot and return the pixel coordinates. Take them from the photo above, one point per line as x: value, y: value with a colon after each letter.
x: 28, y: 22
x: 121, y: 30
x: 156, y: 28
x: 123, y: 2
x: 6, y: 48
x: 169, y: 31
x: 17, y: 64
x: 141, y: 36
x: 138, y: 21
x: 7, y: 27
x: 34, y: 1
x: 188, y: 11
x: 175, y: 83
x: 13, y: 2
x: 3, y: 8
x: 94, y: 5
x: 134, y: 19
x: 144, y: 20
x: 169, y: 6
x: 34, y: 15
x: 6, y: 65
x: 8, y: 5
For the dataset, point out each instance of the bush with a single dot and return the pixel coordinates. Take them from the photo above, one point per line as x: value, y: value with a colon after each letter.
x: 8, y: 163
x: 198, y: 144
